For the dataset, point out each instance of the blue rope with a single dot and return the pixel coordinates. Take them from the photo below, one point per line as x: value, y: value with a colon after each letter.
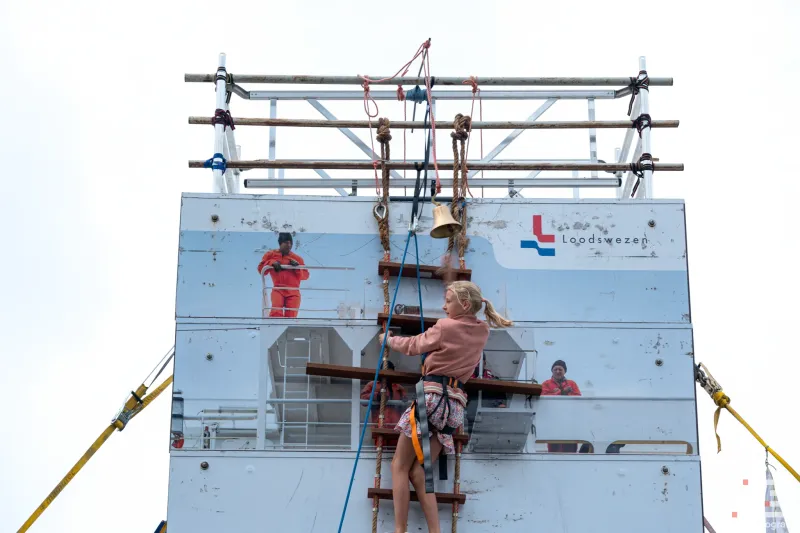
x: 377, y: 370
x: 388, y: 324
x: 419, y: 292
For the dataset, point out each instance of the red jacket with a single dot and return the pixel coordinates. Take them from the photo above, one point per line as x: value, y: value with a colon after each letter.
x: 284, y: 278
x: 551, y: 388
x: 392, y: 414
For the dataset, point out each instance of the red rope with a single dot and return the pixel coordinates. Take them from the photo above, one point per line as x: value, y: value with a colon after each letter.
x: 426, y: 65
x: 401, y: 96
x: 473, y: 80
x: 423, y: 51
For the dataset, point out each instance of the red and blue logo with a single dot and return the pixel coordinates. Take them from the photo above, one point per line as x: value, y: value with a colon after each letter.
x: 540, y: 238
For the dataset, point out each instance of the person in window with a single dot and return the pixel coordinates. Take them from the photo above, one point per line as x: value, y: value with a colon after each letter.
x: 285, y: 294
x: 558, y: 385
x: 392, y: 413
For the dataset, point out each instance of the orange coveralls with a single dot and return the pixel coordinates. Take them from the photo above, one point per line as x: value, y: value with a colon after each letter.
x: 287, y: 294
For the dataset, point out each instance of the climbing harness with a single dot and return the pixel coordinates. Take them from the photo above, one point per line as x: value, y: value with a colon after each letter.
x: 722, y: 401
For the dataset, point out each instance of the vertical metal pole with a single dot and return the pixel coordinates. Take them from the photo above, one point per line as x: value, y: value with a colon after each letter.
x: 592, y: 136
x: 618, y: 192
x: 355, y: 405
x: 644, y: 94
x: 285, y: 394
x: 219, y: 185
x: 273, y: 113
x: 576, y: 191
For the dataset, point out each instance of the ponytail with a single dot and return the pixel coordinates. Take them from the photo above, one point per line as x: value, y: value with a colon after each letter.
x: 468, y: 292
x: 495, y: 319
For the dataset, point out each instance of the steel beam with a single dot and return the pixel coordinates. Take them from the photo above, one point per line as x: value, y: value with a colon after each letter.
x: 511, y: 136
x: 437, y: 95
x: 350, y: 135
x: 491, y: 183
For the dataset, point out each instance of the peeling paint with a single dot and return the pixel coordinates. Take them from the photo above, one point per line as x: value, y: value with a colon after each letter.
x: 495, y: 224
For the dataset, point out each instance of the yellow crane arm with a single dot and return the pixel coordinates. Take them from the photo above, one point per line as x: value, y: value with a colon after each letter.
x: 722, y: 401
x: 135, y: 404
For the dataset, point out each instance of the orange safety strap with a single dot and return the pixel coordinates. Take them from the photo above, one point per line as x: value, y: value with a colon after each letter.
x: 414, y: 436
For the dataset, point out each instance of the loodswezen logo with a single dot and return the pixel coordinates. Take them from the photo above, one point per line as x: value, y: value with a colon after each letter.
x: 541, y: 238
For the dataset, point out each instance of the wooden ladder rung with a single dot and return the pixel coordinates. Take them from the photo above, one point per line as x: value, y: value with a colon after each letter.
x: 390, y: 432
x: 368, y: 374
x: 425, y: 271
x: 441, y: 497
x: 408, y: 324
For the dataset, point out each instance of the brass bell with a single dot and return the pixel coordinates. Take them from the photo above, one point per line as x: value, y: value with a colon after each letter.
x: 444, y: 225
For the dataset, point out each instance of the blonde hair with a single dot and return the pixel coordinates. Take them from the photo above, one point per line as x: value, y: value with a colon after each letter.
x: 466, y: 291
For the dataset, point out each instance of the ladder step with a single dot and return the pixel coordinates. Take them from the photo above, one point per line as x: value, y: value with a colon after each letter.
x: 390, y: 432
x: 408, y: 324
x: 425, y: 271
x: 441, y: 497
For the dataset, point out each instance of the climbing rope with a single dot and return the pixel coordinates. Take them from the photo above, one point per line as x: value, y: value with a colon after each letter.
x: 372, y: 392
x: 383, y: 136
x: 389, y: 309
x: 369, y: 101
x: 723, y: 401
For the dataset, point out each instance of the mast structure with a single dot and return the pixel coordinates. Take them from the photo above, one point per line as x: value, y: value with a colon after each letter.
x: 630, y: 173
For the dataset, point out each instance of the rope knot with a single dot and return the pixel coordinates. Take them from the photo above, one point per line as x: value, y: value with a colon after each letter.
x: 642, y: 121
x: 426, y: 44
x: 461, y: 125
x: 638, y: 83
x: 223, y: 116
x: 473, y: 80
x: 384, y: 135
x: 401, y: 96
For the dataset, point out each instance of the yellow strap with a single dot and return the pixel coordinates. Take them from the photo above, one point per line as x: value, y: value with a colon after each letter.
x: 716, y: 421
x: 134, y: 408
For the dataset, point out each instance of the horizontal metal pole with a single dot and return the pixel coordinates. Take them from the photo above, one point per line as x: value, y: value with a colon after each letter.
x: 489, y: 183
x: 476, y: 125
x: 438, y: 81
x: 409, y: 165
x: 437, y: 95
x: 315, y: 401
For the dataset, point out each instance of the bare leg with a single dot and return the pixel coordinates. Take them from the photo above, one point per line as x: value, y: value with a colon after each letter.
x: 428, y: 501
x: 404, y: 458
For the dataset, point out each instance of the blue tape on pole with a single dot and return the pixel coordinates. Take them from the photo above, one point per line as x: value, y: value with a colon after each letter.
x: 217, y: 162
x: 417, y: 95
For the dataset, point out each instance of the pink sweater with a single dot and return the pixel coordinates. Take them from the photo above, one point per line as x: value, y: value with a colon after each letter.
x: 454, y: 346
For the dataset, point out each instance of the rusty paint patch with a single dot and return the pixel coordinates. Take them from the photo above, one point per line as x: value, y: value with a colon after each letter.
x: 495, y: 224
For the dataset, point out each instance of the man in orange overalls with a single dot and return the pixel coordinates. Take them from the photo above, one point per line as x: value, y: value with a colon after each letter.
x: 285, y: 294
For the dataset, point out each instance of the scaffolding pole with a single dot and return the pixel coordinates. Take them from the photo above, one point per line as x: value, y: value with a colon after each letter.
x: 411, y: 165
x: 475, y: 125
x: 439, y: 80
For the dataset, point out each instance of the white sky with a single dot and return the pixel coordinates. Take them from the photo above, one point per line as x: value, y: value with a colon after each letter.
x: 94, y: 150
